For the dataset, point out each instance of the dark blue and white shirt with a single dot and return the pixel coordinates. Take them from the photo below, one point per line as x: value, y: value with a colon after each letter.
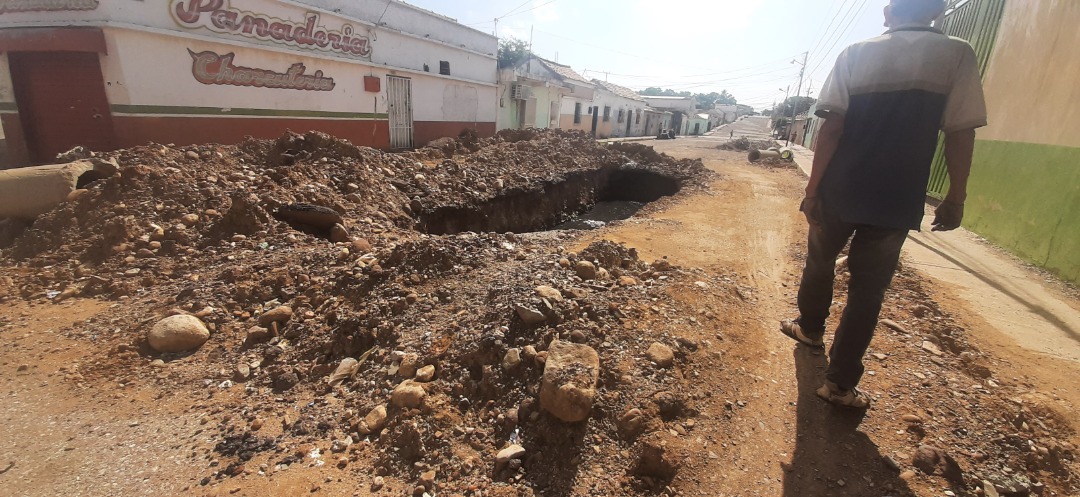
x: 895, y: 92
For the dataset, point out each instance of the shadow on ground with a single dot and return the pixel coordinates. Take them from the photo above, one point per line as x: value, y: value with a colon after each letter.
x: 832, y: 457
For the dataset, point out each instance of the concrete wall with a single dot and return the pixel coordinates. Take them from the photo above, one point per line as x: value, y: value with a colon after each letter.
x: 1024, y: 191
x: 153, y: 95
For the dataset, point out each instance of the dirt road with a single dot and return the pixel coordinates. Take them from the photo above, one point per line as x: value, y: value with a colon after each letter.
x: 752, y: 427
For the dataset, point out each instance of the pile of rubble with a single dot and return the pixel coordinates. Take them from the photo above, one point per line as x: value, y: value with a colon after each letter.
x: 291, y: 269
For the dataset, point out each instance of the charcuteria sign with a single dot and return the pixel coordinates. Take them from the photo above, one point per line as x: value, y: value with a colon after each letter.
x: 221, y: 17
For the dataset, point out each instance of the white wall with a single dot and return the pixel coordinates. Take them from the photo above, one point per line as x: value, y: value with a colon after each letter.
x: 471, y: 53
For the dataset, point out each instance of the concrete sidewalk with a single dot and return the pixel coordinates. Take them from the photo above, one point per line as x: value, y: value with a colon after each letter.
x: 1013, y: 298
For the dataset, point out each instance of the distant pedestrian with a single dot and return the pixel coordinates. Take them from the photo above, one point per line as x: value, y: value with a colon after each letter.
x: 883, y: 105
x: 732, y: 135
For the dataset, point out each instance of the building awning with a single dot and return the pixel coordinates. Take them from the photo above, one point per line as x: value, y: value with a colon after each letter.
x: 52, y: 40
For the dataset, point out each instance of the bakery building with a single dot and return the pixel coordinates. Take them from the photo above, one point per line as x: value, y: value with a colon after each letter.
x: 110, y: 74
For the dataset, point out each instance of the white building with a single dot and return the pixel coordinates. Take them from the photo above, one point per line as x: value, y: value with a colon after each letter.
x: 110, y: 74
x: 622, y: 111
x: 539, y: 93
x: 681, y: 108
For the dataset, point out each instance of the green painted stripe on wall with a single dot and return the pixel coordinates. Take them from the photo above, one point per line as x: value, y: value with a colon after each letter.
x: 218, y: 111
x: 8, y: 107
x: 1024, y: 197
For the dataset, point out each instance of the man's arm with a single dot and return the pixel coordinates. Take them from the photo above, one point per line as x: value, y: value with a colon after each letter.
x: 959, y: 147
x: 828, y: 141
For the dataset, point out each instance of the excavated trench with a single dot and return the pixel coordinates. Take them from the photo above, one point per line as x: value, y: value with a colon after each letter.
x: 583, y: 200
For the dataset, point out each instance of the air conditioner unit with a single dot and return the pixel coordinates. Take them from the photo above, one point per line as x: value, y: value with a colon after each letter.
x: 519, y: 92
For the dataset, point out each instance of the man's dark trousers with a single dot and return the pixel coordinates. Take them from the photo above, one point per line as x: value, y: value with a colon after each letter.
x: 872, y: 261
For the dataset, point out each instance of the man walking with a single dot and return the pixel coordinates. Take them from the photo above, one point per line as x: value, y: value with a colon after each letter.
x: 883, y: 105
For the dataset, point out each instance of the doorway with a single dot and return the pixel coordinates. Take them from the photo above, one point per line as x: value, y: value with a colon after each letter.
x: 595, y: 120
x: 399, y: 97
x: 62, y: 103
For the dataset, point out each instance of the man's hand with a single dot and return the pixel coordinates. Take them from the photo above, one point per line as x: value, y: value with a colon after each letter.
x: 812, y: 209
x: 948, y: 216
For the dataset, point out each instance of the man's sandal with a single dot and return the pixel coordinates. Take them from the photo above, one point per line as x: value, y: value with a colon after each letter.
x: 793, y: 331
x: 852, y: 399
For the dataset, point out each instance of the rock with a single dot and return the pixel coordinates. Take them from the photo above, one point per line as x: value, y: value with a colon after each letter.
x: 656, y: 460
x: 508, y: 454
x: 585, y: 270
x: 911, y: 418
x: 989, y: 490
x: 361, y: 245
x: 377, y: 483
x: 627, y: 281
x: 338, y: 233
x: 341, y: 445
x: 888, y: 323
x: 427, y: 479
x: 257, y: 334
x: 408, y: 394
x: 931, y: 348
x: 375, y: 421
x: 633, y: 423
x: 568, y: 387
x: 409, y: 364
x: 346, y: 369
x: 190, y: 220
x: 425, y: 374
x: 661, y: 354
x: 242, y: 373
x: 278, y: 314
x: 934, y: 461
x: 549, y: 293
x: 178, y: 333
x: 191, y: 154
x: 528, y: 353
x: 512, y: 359
x: 315, y: 216
x: 564, y: 262
x: 577, y: 336
x: 907, y: 475
x: 529, y: 316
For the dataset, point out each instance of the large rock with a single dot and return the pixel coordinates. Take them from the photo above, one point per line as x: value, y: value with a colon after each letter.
x: 279, y: 314
x: 408, y: 394
x: 934, y: 461
x: 375, y: 421
x: 178, y: 333
x: 530, y: 316
x: 661, y: 354
x: 585, y: 270
x: 569, y: 384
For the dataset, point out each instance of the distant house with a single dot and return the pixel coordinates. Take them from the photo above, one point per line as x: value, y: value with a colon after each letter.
x: 656, y: 120
x: 681, y: 109
x: 698, y: 124
x: 539, y: 93
x: 622, y: 111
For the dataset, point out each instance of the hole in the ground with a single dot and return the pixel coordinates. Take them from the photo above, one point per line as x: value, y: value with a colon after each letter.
x: 585, y: 200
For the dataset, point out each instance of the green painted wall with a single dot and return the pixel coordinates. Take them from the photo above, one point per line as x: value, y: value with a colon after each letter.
x: 1026, y: 198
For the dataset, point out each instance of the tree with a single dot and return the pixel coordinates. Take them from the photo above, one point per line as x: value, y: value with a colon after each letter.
x: 725, y: 98
x: 512, y: 52
x: 801, y: 104
x: 653, y: 91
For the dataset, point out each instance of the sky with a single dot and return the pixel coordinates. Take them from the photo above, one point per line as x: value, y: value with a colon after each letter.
x: 743, y: 46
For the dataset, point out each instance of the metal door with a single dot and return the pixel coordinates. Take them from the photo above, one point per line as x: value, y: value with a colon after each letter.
x: 399, y: 95
x: 976, y: 21
x: 62, y: 102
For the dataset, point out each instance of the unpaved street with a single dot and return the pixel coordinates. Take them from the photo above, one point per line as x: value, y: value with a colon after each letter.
x: 737, y: 411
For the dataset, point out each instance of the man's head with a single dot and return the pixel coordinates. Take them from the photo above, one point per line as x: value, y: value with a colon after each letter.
x: 900, y: 12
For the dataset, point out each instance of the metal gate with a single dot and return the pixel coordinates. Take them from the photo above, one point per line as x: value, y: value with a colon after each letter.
x: 399, y: 95
x: 977, y: 22
x: 62, y: 102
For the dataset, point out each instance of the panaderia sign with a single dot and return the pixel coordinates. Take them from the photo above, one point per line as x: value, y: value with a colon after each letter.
x: 46, y: 5
x: 220, y: 17
x: 209, y: 68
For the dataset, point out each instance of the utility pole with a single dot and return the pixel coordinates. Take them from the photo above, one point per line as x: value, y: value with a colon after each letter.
x: 802, y: 72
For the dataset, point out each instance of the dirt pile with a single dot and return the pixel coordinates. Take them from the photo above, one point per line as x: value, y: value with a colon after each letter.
x: 421, y: 355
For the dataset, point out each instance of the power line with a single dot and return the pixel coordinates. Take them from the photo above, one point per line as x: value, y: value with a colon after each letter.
x: 813, y: 51
x: 847, y: 30
x: 836, y: 30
